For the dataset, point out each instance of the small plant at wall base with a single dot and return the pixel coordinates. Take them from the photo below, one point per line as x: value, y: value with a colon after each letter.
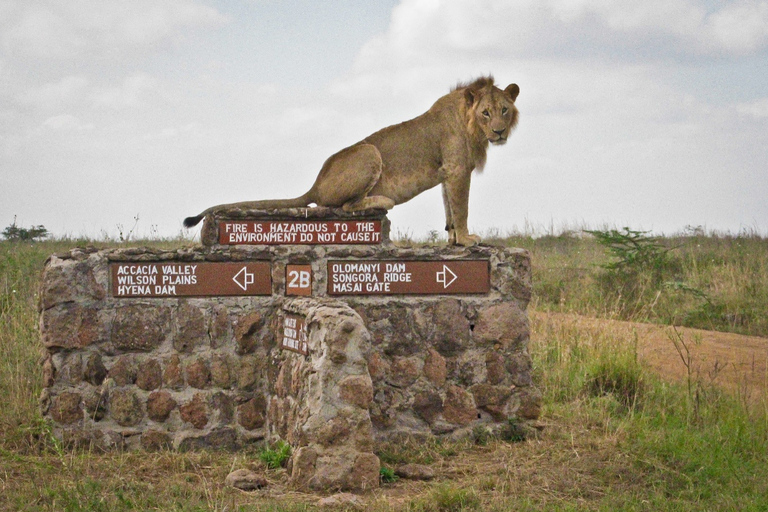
x: 277, y: 456
x: 387, y: 475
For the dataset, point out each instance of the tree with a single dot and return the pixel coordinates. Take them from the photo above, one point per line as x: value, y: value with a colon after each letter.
x: 14, y: 233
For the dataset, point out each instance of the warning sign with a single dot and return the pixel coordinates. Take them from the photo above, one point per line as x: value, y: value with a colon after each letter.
x: 301, y: 232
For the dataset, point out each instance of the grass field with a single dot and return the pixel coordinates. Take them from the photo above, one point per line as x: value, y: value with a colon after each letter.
x: 615, y: 436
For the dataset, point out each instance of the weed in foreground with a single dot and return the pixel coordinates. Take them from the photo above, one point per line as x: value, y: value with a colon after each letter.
x: 277, y: 456
x: 446, y: 498
x: 387, y: 475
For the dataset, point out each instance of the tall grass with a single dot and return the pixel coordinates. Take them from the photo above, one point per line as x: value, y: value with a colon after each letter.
x: 695, y: 447
x: 714, y: 281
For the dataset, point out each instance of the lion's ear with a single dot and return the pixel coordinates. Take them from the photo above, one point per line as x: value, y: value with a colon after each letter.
x: 469, y: 96
x: 513, y: 90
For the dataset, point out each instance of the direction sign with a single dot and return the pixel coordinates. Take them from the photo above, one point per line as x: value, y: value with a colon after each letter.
x: 194, y: 279
x: 395, y: 277
x: 299, y: 232
x: 294, y: 334
x: 298, y: 280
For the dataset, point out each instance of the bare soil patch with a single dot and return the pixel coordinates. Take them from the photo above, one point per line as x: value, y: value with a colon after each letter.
x: 734, y: 362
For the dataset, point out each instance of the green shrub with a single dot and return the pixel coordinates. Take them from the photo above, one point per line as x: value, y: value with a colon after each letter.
x: 277, y: 456
x: 387, y: 475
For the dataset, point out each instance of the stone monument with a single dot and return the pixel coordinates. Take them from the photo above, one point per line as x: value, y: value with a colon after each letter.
x: 306, y: 325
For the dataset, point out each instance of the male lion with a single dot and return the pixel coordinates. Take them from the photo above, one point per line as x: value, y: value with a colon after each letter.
x: 442, y: 146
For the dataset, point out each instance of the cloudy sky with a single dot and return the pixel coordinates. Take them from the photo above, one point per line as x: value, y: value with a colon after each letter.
x: 651, y: 114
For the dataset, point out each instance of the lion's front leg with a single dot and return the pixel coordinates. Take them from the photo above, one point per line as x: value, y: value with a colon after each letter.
x: 456, y: 191
x: 448, y: 217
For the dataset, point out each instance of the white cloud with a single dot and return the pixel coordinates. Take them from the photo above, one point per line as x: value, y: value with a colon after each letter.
x: 423, y: 31
x: 94, y: 28
x: 67, y: 123
x: 757, y: 109
x: 741, y: 27
x: 56, y: 94
x: 129, y: 94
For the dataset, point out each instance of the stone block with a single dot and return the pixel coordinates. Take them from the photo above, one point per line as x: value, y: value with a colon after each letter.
x: 357, y: 390
x: 191, y: 328
x: 487, y: 394
x: 404, y: 371
x: 220, y: 328
x: 428, y: 405
x: 434, y: 368
x: 95, y: 401
x: 95, y: 372
x: 66, y: 408
x: 125, y: 407
x: 504, y: 323
x: 251, y: 414
x: 69, y: 281
x: 69, y: 326
x: 250, y: 372
x: 221, y: 374
x: 520, y: 367
x: 445, y: 326
x: 223, y: 405
x: 123, y: 371
x: 141, y: 327
x: 159, y: 405
x: 198, y: 374
x: 247, y: 329
x: 378, y: 366
x: 218, y: 439
x: 149, y: 375
x: 195, y: 411
x: 173, y: 375
x: 495, y: 369
x: 459, y: 407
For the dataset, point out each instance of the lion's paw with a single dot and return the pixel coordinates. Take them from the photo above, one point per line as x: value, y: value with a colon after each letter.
x: 467, y: 240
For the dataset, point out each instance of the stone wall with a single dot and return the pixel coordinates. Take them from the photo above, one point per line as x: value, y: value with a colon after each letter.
x: 200, y: 372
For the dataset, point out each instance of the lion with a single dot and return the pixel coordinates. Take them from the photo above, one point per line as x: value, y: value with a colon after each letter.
x: 440, y: 147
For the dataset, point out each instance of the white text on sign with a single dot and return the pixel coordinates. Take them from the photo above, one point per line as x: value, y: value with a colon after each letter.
x: 300, y: 232
x: 408, y: 277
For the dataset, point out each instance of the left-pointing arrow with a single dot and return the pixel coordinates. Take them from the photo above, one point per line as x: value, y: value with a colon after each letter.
x: 243, y: 278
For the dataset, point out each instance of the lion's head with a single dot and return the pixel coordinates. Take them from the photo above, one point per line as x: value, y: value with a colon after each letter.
x: 491, y: 111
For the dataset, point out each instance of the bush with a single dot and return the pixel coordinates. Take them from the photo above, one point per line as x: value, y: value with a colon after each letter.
x: 14, y: 233
x: 277, y: 456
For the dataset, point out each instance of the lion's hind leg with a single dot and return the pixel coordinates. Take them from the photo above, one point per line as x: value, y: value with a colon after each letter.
x: 368, y: 203
x: 348, y: 176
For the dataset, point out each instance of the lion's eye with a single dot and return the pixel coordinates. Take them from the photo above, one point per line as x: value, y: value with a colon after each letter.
x: 486, y: 113
x: 504, y: 110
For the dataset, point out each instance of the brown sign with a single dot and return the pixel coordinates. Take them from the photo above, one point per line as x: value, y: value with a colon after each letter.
x: 294, y: 334
x: 301, y: 232
x: 198, y: 279
x: 298, y: 280
x: 370, y: 277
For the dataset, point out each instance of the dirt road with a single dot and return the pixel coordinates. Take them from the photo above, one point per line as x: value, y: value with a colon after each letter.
x: 735, y: 362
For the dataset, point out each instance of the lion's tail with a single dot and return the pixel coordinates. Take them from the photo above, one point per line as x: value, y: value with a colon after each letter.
x: 265, y: 204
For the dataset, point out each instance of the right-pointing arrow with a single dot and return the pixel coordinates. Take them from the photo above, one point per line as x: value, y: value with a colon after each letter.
x: 447, y: 277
